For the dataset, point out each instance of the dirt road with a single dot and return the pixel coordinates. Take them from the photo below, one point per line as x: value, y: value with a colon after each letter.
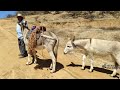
x: 13, y: 67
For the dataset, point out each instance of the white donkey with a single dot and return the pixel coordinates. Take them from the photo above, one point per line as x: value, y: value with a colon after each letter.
x: 96, y: 46
x: 49, y: 41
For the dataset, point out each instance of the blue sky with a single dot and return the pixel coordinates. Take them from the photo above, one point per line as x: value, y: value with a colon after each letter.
x: 3, y: 14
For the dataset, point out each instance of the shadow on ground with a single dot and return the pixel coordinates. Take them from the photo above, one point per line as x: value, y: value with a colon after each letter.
x: 102, y: 70
x: 45, y: 63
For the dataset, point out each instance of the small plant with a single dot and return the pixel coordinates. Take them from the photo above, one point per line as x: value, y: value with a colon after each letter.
x: 10, y: 15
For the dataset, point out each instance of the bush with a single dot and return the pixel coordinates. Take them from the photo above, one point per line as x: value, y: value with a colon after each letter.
x: 32, y: 12
x: 10, y: 15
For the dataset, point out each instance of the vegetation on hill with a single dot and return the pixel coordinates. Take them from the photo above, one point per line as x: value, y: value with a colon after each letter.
x: 85, y: 14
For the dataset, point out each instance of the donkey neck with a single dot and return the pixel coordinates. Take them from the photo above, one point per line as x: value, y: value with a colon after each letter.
x: 81, y: 42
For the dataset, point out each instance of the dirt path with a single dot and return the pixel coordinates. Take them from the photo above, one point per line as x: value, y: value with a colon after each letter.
x: 12, y: 67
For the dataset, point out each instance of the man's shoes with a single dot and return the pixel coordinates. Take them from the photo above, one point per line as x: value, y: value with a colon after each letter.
x: 19, y: 54
x: 23, y: 56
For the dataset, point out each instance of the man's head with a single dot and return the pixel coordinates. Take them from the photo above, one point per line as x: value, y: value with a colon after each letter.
x: 19, y: 17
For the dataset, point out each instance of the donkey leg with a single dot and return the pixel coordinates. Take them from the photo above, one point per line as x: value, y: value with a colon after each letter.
x: 29, y: 59
x: 116, y: 62
x: 91, y: 62
x: 35, y: 59
x: 114, y: 70
x: 51, y: 66
x: 114, y: 73
x: 53, y: 61
x: 83, y: 62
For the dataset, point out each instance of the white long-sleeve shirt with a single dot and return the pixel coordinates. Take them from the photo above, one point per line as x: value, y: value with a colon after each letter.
x: 18, y: 29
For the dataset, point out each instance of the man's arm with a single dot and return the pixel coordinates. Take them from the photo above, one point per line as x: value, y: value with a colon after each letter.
x: 28, y: 28
x: 26, y: 25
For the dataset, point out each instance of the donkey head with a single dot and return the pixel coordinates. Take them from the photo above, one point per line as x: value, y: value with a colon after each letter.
x: 69, y: 46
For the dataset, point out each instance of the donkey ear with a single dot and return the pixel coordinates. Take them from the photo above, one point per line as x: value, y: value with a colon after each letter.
x: 73, y: 38
x: 69, y: 38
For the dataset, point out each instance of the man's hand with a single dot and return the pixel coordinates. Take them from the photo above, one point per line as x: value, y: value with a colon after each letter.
x: 28, y: 28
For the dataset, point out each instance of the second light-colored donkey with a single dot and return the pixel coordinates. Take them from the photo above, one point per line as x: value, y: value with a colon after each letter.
x: 96, y: 46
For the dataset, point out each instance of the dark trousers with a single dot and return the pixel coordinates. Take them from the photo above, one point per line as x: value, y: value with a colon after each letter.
x: 22, y: 47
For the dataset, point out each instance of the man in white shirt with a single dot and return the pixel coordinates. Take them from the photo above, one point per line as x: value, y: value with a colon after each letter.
x: 21, y: 24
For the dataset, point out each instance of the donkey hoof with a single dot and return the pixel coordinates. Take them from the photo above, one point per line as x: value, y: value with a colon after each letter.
x: 35, y: 62
x: 50, y: 68
x: 52, y: 71
x: 91, y: 70
x: 27, y: 63
x: 112, y: 75
x: 82, y: 68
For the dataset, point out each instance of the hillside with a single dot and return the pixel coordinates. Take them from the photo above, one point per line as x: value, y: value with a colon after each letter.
x: 64, y: 26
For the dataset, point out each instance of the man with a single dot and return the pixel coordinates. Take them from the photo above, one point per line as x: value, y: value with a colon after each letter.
x: 21, y: 24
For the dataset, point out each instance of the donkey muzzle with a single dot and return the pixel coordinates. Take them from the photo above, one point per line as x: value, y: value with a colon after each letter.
x: 65, y: 53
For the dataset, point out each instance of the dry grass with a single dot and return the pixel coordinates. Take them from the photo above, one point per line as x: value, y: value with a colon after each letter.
x: 64, y: 27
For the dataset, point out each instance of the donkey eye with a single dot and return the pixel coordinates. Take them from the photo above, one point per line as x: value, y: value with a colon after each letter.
x: 68, y: 46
